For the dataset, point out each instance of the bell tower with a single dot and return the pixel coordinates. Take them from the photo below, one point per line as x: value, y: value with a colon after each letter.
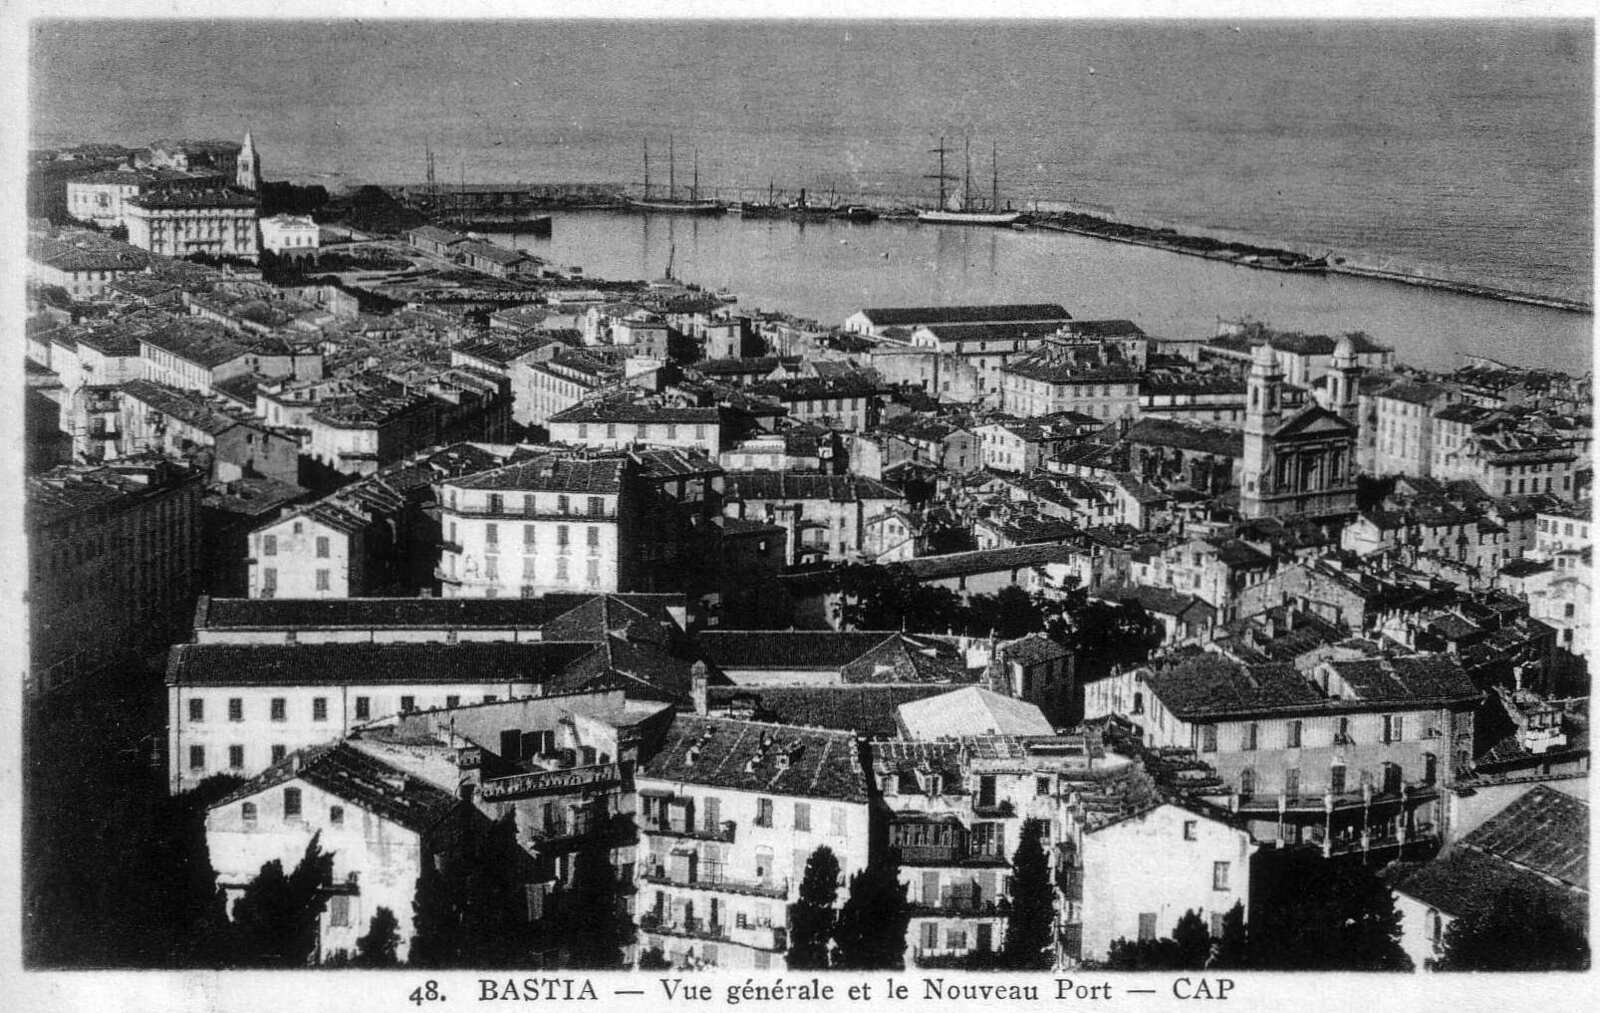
x: 1344, y: 382
x: 248, y: 174
x: 1263, y: 413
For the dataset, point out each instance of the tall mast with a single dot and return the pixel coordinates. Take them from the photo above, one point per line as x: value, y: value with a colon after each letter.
x: 694, y: 192
x: 647, y: 168
x: 994, y: 199
x: 942, y: 175
x: 672, y: 170
x: 966, y: 179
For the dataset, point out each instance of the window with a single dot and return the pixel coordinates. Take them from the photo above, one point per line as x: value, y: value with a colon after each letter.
x: 593, y: 573
x: 248, y: 812
x: 802, y: 816
x: 1147, y: 926
x: 594, y: 538
x: 1292, y: 735
x: 1191, y: 829
x: 930, y: 935
x: 269, y: 545
x: 764, y: 863
x: 1249, y: 736
x: 280, y: 709
x: 291, y: 803
x: 561, y: 570
x: 322, y: 546
x: 322, y: 580
x: 279, y: 752
x: 1208, y: 738
x: 452, y: 700
x: 839, y: 822
x: 1291, y: 783
x: 527, y: 536
x: 1336, y: 779
x: 1219, y: 875
x: 235, y: 708
x: 408, y: 703
x: 597, y: 506
x: 197, y: 757
x: 563, y: 504
x: 491, y: 534
x: 319, y: 708
x: 496, y: 505
x: 336, y: 815
x: 1041, y: 786
x: 763, y: 812
x: 1138, y: 703
x: 339, y: 909
x: 197, y: 709
x: 1216, y: 925
x: 1247, y: 782
x: 561, y: 537
x: 363, y: 708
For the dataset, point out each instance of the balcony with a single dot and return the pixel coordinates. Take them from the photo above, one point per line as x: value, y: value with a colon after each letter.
x: 691, y: 928
x: 448, y: 578
x: 992, y: 809
x: 952, y: 906
x: 448, y: 545
x: 934, y: 854
x: 774, y: 889
x: 722, y: 833
x: 1270, y: 804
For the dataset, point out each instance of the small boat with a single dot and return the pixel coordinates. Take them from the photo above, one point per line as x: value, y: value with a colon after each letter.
x: 857, y: 213
x: 757, y: 209
x: 959, y: 208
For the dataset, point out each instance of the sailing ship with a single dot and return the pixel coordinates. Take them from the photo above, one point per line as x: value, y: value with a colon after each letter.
x: 672, y: 203
x: 757, y: 209
x: 958, y: 208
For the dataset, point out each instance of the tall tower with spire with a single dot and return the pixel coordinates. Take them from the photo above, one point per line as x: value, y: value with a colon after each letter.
x: 1344, y: 382
x: 1263, y: 413
x: 248, y: 174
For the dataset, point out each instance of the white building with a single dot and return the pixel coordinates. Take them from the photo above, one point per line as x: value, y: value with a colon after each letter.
x: 291, y: 236
x: 730, y: 812
x: 618, y: 426
x: 190, y: 221
x: 1142, y: 872
x: 377, y: 821
x: 550, y: 524
x: 239, y: 708
x: 83, y: 264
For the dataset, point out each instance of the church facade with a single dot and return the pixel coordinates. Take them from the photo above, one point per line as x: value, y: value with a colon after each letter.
x: 1302, y: 464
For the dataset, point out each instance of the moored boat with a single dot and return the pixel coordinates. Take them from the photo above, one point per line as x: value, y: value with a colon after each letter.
x: 959, y: 208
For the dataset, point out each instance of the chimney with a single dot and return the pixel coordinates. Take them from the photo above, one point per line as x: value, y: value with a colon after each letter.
x: 697, y: 687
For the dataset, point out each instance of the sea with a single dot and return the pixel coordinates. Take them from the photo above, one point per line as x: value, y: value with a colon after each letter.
x: 1457, y: 149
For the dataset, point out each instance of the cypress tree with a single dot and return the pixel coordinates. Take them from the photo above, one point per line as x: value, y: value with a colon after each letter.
x: 436, y: 923
x: 870, y: 932
x: 1193, y: 941
x: 377, y: 948
x: 811, y: 918
x: 1030, y: 926
x: 1232, y: 949
x: 597, y: 930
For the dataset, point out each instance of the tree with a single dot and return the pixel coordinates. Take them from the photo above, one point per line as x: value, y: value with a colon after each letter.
x: 870, y: 933
x: 378, y: 947
x: 1187, y: 949
x: 597, y: 930
x: 1521, y: 930
x: 435, y: 920
x: 873, y: 597
x: 1029, y: 928
x: 1193, y: 941
x: 812, y: 917
x: 1317, y: 914
x: 276, y: 918
x: 1232, y: 949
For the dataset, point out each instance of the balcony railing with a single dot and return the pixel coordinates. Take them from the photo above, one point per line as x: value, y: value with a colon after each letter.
x: 693, y: 928
x: 773, y: 888
x: 929, y: 854
x: 961, y: 907
x: 992, y: 809
x: 723, y: 832
x: 1324, y: 802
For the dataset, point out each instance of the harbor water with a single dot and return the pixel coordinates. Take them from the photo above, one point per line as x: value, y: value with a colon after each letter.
x: 1456, y: 149
x: 828, y: 270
